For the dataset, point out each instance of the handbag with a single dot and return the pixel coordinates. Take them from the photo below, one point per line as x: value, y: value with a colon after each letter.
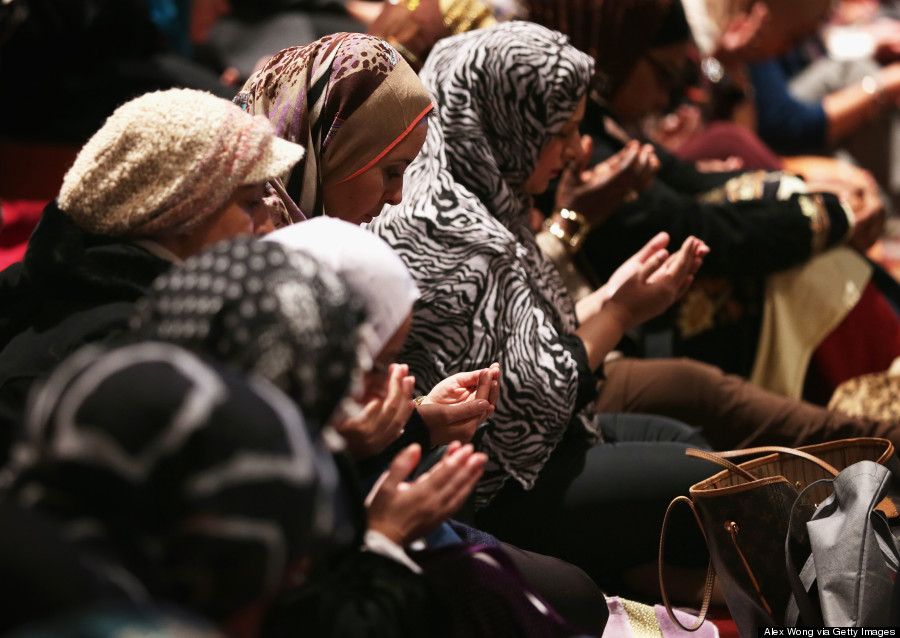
x: 751, y: 516
x: 849, y: 579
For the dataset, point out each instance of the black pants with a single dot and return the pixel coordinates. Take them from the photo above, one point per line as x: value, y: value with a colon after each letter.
x: 601, y: 507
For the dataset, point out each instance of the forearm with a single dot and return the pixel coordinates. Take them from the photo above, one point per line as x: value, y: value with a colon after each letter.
x: 600, y: 333
x: 851, y: 107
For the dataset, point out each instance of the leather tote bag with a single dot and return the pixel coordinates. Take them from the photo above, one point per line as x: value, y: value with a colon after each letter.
x: 747, y: 511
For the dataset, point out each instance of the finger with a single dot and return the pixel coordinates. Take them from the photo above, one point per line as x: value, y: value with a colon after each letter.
x: 483, y: 391
x: 652, y: 264
x: 679, y: 264
x: 440, y: 472
x: 587, y: 151
x: 401, y: 467
x: 398, y: 389
x: 460, y: 485
x: 660, y: 241
x: 368, y: 416
x: 467, y: 379
x: 495, y: 392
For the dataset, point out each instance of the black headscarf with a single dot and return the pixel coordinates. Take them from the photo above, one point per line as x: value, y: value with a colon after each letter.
x: 181, y: 479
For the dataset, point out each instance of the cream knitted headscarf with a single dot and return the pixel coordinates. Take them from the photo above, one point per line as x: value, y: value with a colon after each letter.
x: 165, y: 161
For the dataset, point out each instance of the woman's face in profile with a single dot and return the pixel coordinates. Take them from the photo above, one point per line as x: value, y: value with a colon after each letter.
x: 360, y: 199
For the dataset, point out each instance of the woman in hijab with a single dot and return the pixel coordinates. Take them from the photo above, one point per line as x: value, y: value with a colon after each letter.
x: 488, y: 294
x: 325, y: 96
x: 277, y: 322
x: 168, y: 173
x: 282, y: 315
x: 761, y: 228
x: 142, y: 456
x: 380, y: 279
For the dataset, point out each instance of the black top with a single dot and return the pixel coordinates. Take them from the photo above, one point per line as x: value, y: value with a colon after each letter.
x: 72, y: 288
x: 752, y: 237
x: 718, y: 322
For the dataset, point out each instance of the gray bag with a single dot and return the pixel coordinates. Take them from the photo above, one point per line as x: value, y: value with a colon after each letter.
x: 849, y: 579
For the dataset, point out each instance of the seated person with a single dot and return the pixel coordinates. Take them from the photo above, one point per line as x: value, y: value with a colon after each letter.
x: 168, y: 174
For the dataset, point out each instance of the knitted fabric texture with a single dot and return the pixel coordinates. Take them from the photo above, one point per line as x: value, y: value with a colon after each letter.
x: 165, y: 161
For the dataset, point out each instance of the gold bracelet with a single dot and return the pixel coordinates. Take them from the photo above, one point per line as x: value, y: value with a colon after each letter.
x: 418, y: 400
x: 584, y: 227
x: 573, y: 242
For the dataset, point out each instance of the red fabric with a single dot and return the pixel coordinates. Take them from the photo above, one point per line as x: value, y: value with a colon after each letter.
x: 720, y: 617
x: 867, y: 340
x: 20, y: 216
x: 721, y: 140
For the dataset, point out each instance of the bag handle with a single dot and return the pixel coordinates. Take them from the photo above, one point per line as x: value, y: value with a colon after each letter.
x: 710, y: 570
x: 805, y: 607
x: 721, y: 458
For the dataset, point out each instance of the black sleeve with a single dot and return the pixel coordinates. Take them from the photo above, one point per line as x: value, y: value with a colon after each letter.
x: 752, y: 238
x: 587, y: 378
x: 683, y: 175
x: 415, y: 431
x: 365, y: 596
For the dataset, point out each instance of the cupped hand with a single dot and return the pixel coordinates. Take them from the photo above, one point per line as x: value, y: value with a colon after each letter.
x: 456, y: 406
x: 405, y: 511
x: 383, y: 418
x: 597, y: 192
x: 652, y: 280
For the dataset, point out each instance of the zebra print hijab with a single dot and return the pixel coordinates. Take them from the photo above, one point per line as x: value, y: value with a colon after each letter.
x: 487, y: 292
x: 348, y: 98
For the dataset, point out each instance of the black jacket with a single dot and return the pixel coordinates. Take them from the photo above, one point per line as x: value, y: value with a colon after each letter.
x: 72, y: 288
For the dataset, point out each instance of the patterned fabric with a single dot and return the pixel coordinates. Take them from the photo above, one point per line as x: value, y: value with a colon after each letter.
x: 366, y: 264
x: 167, y: 160
x: 269, y: 311
x: 325, y: 96
x: 145, y: 455
x: 487, y: 292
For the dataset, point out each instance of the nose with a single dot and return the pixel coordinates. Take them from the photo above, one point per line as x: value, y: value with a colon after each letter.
x: 393, y: 195
x: 573, y: 148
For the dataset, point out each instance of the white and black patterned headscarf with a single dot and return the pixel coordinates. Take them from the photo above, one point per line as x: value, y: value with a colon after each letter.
x: 276, y: 313
x: 487, y: 292
x: 180, y: 479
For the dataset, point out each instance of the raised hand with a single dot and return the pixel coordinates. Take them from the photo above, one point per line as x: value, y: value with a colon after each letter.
x: 382, y: 419
x: 404, y: 511
x: 652, y: 280
x: 456, y: 406
x: 596, y: 192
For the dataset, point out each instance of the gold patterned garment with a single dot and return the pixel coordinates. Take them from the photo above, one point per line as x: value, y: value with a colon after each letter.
x: 876, y: 396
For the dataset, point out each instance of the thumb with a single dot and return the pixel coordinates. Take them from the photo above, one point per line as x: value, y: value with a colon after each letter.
x: 402, y: 466
x: 467, y: 410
